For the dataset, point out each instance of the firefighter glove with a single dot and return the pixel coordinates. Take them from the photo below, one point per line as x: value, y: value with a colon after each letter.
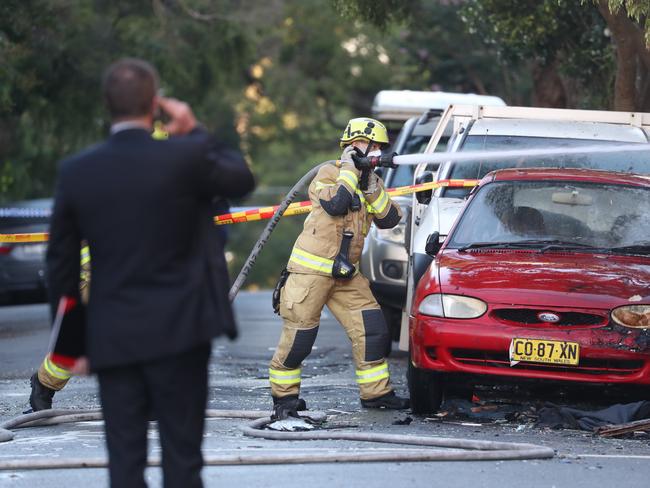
x: 347, y: 162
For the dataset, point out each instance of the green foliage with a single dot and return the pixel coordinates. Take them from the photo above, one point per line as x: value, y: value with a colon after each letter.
x: 54, y: 53
x: 549, y: 32
x: 379, y: 13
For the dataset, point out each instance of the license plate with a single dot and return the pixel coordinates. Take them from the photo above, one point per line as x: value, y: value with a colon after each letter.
x: 542, y: 351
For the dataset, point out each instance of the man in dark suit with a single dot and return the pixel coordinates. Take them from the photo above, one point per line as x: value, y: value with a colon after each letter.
x: 159, y: 291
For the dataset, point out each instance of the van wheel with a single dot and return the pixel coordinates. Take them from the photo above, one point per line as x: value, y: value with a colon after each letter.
x: 425, y: 388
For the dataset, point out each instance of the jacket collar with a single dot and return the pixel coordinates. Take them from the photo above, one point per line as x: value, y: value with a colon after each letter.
x: 132, y: 133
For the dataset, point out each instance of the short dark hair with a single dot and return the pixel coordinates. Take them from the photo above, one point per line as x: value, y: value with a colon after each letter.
x: 129, y: 87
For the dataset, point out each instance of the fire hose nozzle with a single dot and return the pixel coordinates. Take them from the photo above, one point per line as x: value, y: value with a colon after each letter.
x: 372, y: 162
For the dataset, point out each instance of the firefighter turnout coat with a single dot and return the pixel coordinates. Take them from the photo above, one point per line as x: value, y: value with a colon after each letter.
x: 339, y: 207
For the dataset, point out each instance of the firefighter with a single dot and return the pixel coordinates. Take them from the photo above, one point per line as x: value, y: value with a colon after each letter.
x: 50, y: 377
x: 323, y: 270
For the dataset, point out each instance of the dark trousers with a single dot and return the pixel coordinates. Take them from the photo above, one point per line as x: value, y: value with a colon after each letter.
x: 172, y: 390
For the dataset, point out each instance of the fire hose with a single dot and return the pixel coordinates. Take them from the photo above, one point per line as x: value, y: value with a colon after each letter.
x: 452, y: 449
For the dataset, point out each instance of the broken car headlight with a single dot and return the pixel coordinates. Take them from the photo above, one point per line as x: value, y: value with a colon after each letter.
x: 635, y: 316
x: 452, y: 306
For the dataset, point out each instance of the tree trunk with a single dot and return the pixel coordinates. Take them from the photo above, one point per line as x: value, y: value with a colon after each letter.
x: 624, y: 36
x: 548, y: 88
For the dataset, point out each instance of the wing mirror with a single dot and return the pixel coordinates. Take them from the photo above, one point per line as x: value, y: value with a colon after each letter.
x: 424, y: 197
x: 433, y: 244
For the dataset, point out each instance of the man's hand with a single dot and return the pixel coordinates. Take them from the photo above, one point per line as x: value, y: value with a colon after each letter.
x: 182, y: 119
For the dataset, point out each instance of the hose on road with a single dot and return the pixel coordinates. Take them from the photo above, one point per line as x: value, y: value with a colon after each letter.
x: 454, y: 449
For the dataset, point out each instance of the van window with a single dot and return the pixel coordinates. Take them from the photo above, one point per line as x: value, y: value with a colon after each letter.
x: 637, y: 162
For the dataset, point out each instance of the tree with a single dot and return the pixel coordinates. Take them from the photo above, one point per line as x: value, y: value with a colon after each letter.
x: 562, y: 42
x: 53, y: 54
x: 628, y: 24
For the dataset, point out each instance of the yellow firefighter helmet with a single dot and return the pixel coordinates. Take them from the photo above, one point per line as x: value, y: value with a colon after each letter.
x: 364, y: 128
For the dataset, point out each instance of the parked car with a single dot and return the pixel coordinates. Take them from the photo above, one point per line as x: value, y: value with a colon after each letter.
x: 22, y: 266
x: 476, y: 128
x: 384, y: 258
x: 544, y: 276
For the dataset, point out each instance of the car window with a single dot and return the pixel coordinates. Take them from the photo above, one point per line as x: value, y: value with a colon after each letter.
x: 599, y: 215
x: 638, y: 162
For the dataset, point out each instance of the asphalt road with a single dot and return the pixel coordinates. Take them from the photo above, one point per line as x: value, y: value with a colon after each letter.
x: 238, y: 381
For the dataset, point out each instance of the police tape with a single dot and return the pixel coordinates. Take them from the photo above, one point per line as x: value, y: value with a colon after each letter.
x: 263, y: 213
x: 22, y: 238
x: 299, y: 208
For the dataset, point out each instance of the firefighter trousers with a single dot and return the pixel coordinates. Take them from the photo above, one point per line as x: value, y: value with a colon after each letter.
x: 353, y: 305
x: 53, y: 376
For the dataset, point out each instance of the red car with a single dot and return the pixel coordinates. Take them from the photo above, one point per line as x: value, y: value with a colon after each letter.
x: 545, y: 275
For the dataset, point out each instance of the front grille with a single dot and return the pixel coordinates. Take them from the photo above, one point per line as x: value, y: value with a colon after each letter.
x: 476, y: 357
x: 529, y: 316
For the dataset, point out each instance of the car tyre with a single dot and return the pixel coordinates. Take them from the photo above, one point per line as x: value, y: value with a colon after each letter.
x: 425, y: 388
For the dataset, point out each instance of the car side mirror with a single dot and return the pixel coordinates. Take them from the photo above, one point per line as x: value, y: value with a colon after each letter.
x: 424, y: 197
x: 433, y: 244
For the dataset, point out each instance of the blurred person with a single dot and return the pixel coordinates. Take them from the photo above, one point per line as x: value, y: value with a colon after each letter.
x: 159, y: 291
x: 323, y: 270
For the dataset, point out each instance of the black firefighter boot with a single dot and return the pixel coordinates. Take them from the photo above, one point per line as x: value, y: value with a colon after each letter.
x: 41, y: 396
x: 389, y: 401
x: 288, y: 406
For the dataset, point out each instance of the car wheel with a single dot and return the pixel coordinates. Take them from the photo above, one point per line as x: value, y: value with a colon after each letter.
x: 425, y: 388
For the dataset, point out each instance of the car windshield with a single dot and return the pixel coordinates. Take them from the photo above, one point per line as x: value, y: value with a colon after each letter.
x: 556, y: 215
x: 631, y: 162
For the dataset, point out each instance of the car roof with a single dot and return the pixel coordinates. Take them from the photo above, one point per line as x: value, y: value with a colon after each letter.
x: 567, y: 174
x: 560, y: 129
x: 402, y: 104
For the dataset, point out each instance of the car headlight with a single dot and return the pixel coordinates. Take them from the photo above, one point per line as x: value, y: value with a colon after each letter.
x: 452, y: 306
x: 635, y: 316
x: 396, y: 234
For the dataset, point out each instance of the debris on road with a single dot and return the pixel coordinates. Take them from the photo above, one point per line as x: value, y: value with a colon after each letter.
x: 291, y: 424
x: 404, y: 421
x: 557, y: 417
x: 628, y: 428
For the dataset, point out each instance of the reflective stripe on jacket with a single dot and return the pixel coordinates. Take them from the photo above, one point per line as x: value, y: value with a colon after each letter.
x: 320, y: 240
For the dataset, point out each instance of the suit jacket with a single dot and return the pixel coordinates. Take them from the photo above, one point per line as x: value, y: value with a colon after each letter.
x: 159, y: 283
